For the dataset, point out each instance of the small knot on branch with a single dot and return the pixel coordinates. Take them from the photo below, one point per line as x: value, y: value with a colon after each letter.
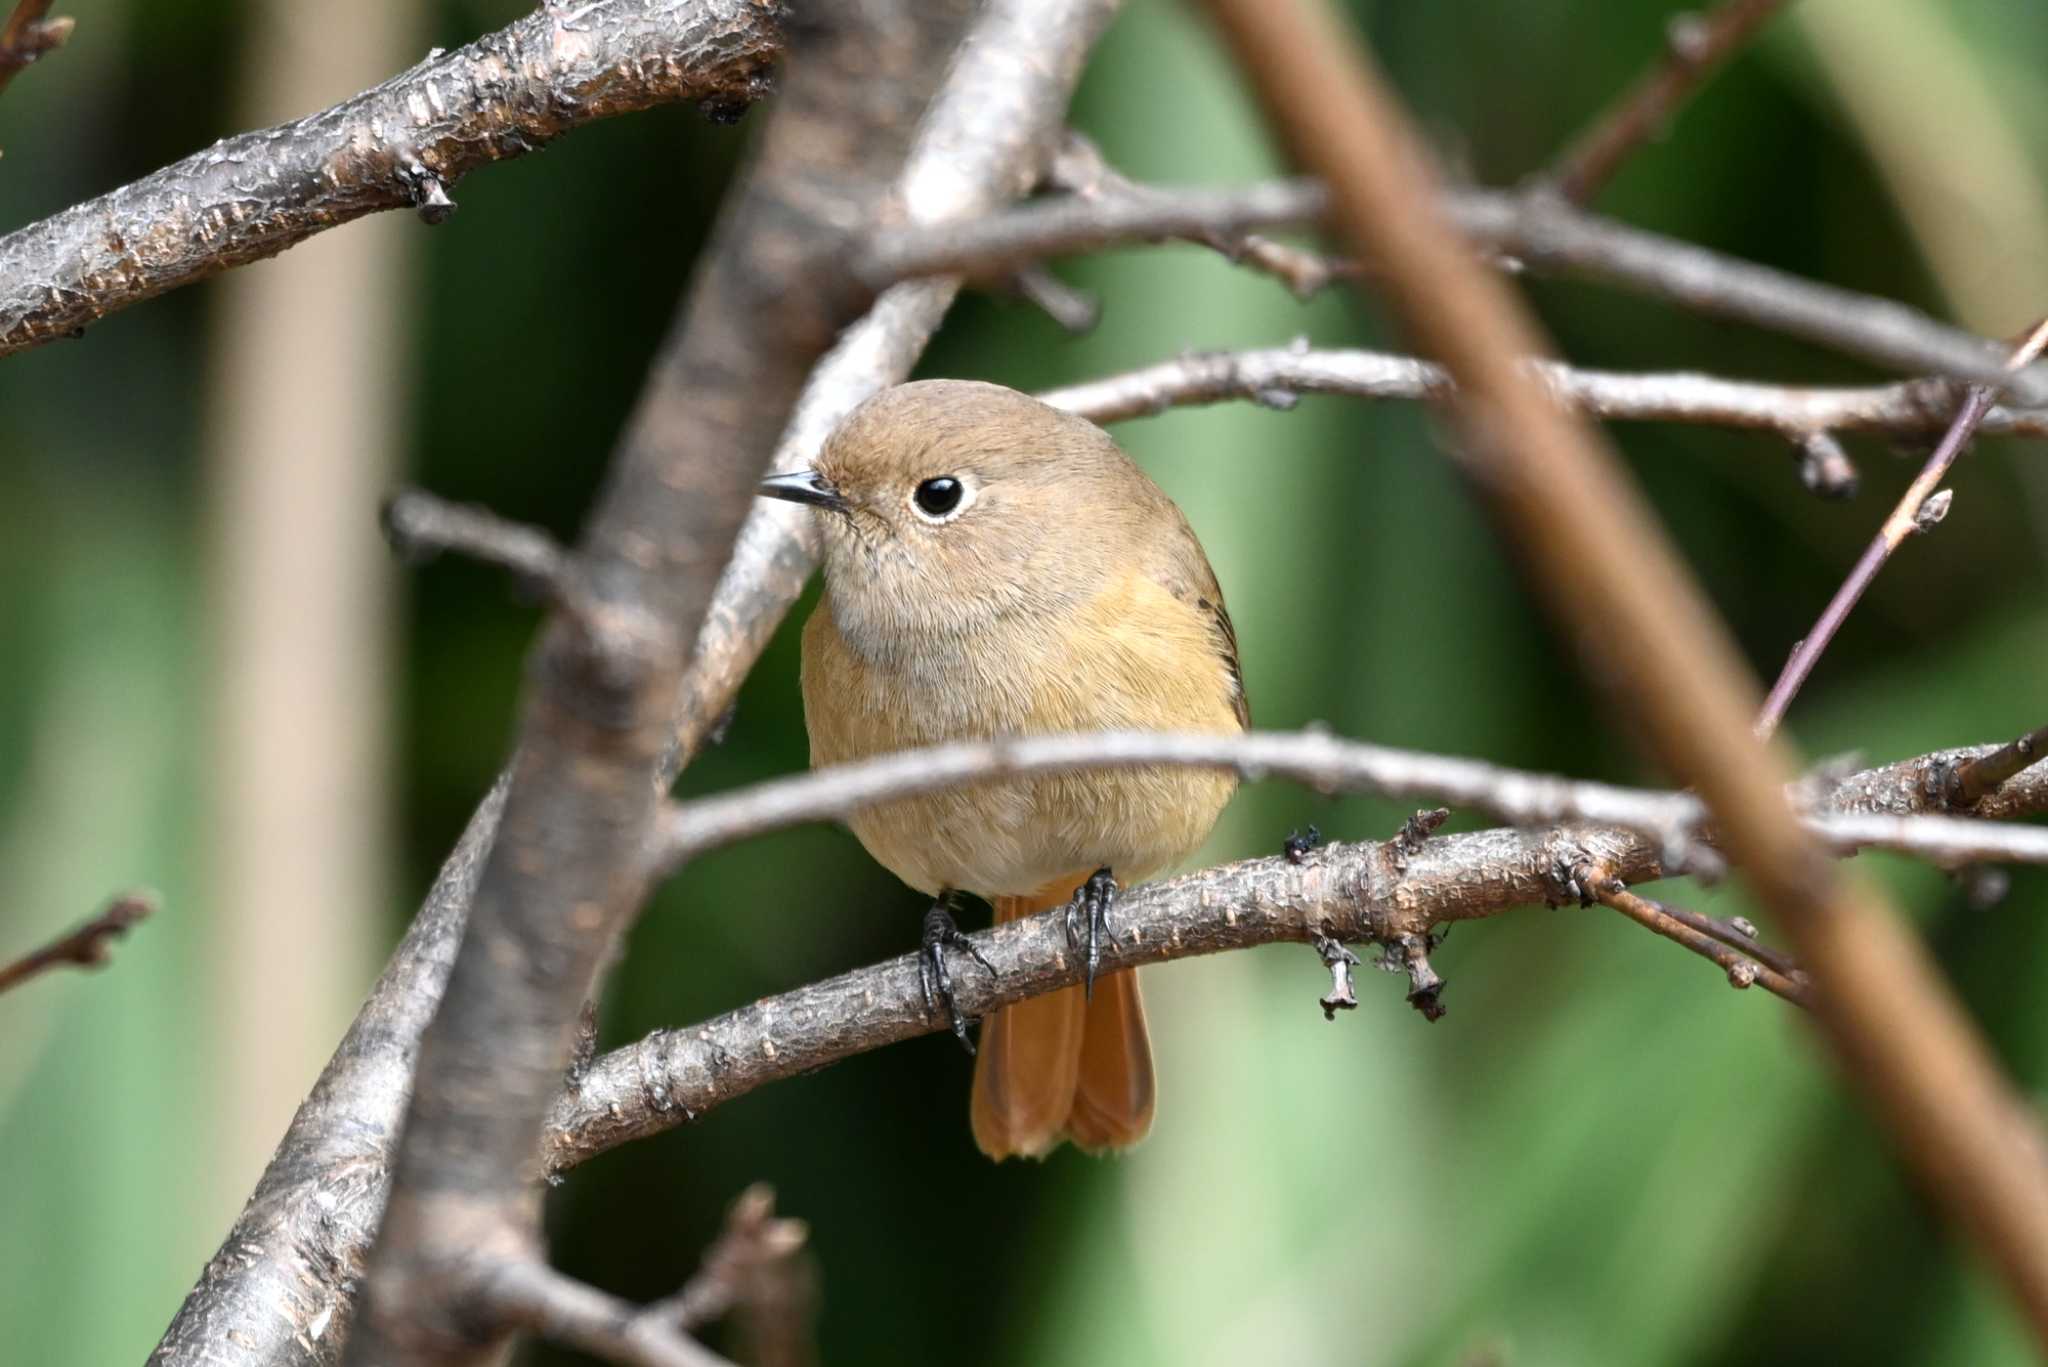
x: 1930, y: 513
x: 1414, y: 832
x: 1824, y: 467
x: 426, y: 189
x: 1343, y: 994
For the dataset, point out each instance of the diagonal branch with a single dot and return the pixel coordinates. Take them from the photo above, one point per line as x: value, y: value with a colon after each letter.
x: 1695, y: 45
x: 562, y: 883
x: 86, y: 945
x: 1385, y: 893
x: 1648, y: 633
x: 1918, y: 510
x: 402, y: 143
x: 1971, y: 782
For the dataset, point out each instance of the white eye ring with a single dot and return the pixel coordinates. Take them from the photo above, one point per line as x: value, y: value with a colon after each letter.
x: 962, y: 489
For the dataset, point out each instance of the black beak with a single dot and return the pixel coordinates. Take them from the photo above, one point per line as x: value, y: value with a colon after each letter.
x: 804, y: 486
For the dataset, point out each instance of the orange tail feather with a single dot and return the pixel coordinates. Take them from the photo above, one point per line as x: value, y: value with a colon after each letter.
x: 1061, y: 1066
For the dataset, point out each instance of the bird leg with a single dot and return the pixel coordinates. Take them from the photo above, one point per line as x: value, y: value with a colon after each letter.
x: 940, y: 930
x: 1093, y: 900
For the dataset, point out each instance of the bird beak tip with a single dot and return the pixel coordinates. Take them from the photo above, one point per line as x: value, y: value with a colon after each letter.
x: 804, y: 486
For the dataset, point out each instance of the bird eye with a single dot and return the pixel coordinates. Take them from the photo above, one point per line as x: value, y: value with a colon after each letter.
x: 937, y: 498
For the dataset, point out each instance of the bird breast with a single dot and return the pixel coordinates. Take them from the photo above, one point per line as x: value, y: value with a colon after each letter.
x: 1133, y: 657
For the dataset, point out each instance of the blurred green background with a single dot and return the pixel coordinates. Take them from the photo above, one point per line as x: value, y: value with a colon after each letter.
x: 211, y: 683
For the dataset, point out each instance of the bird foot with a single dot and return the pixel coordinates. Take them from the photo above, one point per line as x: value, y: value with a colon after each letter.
x: 941, y: 930
x: 1092, y: 900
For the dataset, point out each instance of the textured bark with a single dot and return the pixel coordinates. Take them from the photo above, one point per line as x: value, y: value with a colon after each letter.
x: 1349, y: 892
x: 281, y: 1288
x: 402, y: 143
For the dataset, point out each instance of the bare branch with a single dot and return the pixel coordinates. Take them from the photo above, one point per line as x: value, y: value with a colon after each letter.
x: 561, y: 882
x: 28, y: 35
x: 1918, y: 510
x: 318, y: 1202
x: 533, y: 1296
x: 1328, y: 764
x: 1796, y: 412
x: 1683, y: 929
x: 1081, y: 170
x: 1970, y: 783
x: 1648, y: 633
x: 1063, y: 225
x: 87, y: 945
x: 1695, y: 45
x: 1367, y: 892
x: 1538, y: 229
x: 756, y: 1271
x: 400, y: 144
x: 421, y: 526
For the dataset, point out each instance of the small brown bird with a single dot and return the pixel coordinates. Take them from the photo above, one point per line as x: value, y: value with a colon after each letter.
x: 993, y: 567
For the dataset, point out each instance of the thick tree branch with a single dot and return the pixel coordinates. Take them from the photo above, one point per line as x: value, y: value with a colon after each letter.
x: 86, y: 945
x: 1370, y: 892
x: 1695, y: 45
x: 1918, y: 510
x: 281, y: 1290
x: 983, y: 140
x: 1646, y: 630
x: 1274, y: 376
x: 562, y: 880
x: 402, y: 143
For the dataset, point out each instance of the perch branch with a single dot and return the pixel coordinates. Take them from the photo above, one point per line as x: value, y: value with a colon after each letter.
x: 1369, y: 891
x: 1918, y: 510
x: 420, y: 526
x: 1695, y: 45
x: 87, y: 945
x: 1638, y: 619
x: 399, y: 144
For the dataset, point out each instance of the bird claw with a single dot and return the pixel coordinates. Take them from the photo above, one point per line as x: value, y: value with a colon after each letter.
x: 940, y: 930
x: 1094, y: 899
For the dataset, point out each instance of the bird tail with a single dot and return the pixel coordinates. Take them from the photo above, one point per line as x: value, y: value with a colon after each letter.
x: 1063, y: 1066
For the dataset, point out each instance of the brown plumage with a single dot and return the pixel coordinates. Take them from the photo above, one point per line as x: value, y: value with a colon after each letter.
x: 1052, y: 587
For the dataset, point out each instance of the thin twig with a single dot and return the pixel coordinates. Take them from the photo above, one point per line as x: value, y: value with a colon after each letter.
x: 1970, y: 783
x: 533, y: 1296
x: 1325, y: 895
x: 1695, y: 45
x: 28, y: 36
x: 1742, y: 969
x: 1918, y: 510
x: 420, y: 526
x: 87, y: 945
x: 1272, y: 375
x: 1081, y: 170
x: 1068, y: 224
x: 1648, y: 633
